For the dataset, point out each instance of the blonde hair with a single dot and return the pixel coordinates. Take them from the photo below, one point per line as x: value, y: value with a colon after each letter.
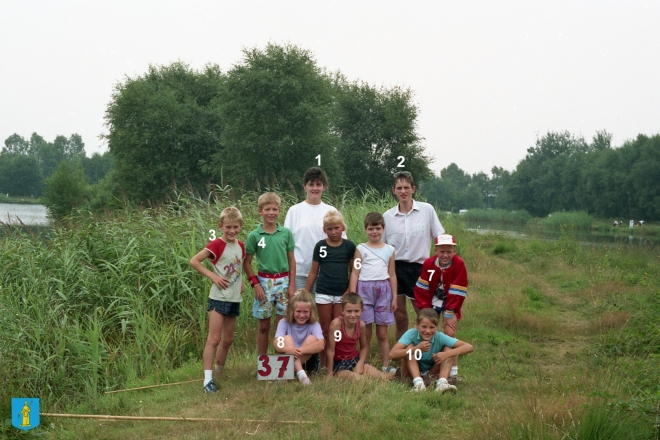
x: 301, y: 296
x: 231, y: 214
x: 333, y: 218
x: 268, y: 198
x: 429, y: 314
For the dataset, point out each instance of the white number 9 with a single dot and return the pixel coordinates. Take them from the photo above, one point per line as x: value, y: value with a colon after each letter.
x: 337, y: 336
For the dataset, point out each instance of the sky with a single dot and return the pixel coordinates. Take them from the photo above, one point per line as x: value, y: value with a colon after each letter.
x: 489, y: 78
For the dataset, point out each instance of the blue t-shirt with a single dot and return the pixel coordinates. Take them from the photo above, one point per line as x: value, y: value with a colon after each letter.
x: 438, y: 341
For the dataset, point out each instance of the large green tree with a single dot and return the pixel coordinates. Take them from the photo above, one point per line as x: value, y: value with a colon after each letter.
x: 276, y: 108
x: 20, y: 175
x: 162, y: 126
x: 377, y: 130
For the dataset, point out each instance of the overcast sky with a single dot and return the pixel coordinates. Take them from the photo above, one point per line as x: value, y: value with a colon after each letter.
x: 489, y: 77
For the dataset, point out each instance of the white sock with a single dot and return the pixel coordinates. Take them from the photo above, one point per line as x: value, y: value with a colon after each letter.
x: 417, y: 380
x: 208, y: 376
x: 301, y: 374
x: 453, y: 371
x: 442, y: 379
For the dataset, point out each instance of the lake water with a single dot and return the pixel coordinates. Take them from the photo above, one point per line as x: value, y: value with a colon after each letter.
x: 34, y: 215
x: 622, y: 236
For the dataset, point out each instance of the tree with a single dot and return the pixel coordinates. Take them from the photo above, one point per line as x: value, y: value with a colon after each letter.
x: 16, y: 144
x: 65, y: 190
x: 20, y: 175
x: 163, y: 126
x: 97, y: 166
x: 276, y: 110
x: 378, y: 136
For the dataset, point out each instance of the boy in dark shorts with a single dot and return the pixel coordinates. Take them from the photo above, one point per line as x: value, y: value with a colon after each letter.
x: 273, y: 246
x: 410, y: 227
x: 227, y: 254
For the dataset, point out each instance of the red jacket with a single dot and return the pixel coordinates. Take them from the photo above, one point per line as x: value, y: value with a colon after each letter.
x: 454, y: 280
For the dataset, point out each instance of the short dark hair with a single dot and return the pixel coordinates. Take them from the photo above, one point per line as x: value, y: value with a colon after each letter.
x: 313, y: 174
x: 351, y: 298
x: 403, y: 175
x: 374, y: 219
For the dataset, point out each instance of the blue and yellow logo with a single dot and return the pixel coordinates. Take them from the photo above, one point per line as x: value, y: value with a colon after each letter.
x: 24, y: 412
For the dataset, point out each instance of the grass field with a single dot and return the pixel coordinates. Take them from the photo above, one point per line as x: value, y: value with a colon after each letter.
x: 566, y: 339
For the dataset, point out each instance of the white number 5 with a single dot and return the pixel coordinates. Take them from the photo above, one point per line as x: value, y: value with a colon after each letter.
x: 322, y: 252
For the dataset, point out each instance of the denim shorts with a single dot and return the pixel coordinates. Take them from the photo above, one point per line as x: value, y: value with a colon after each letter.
x: 348, y: 364
x: 224, y: 307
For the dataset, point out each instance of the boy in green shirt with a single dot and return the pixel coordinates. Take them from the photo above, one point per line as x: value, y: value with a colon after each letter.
x: 273, y: 246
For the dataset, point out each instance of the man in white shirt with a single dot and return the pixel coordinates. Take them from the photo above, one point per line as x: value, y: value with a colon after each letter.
x: 410, y: 227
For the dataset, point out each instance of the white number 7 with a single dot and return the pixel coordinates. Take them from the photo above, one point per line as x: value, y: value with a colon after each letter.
x: 431, y: 272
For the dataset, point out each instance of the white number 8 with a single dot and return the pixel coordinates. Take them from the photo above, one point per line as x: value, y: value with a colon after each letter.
x: 337, y: 336
x: 280, y: 342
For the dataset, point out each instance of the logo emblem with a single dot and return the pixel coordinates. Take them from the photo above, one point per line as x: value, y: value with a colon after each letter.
x: 24, y: 412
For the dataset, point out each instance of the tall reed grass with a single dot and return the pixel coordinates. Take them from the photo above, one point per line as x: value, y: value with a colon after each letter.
x: 100, y: 300
x: 577, y: 220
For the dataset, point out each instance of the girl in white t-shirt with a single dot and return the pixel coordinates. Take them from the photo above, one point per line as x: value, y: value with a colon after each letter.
x: 374, y: 279
x: 305, y: 220
x: 299, y: 333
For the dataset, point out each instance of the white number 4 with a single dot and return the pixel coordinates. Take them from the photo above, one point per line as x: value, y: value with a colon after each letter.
x: 322, y: 252
x: 262, y: 242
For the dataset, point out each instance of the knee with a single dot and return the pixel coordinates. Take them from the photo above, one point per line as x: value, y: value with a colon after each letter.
x: 264, y: 326
x: 227, y: 340
x: 213, y: 340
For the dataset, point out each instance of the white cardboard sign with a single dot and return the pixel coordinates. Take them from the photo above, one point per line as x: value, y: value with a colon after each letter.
x: 275, y: 367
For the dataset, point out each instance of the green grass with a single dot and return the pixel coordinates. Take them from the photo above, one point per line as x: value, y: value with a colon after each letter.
x: 573, y: 220
x: 497, y: 215
x: 565, y: 337
x: 19, y: 200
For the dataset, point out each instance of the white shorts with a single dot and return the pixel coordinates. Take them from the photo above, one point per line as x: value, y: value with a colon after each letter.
x: 327, y: 299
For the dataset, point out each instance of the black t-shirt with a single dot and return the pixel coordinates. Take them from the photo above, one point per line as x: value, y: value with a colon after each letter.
x: 333, y: 266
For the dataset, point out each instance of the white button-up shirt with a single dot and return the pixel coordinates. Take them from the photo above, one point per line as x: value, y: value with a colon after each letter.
x: 411, y: 234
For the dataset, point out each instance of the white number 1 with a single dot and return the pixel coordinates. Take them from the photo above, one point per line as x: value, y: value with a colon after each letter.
x: 319, y: 159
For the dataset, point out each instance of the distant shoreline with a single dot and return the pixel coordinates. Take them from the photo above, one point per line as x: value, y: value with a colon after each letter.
x: 20, y: 200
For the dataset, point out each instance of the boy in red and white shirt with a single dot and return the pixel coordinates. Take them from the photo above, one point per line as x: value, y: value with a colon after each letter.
x: 442, y: 286
x: 226, y: 254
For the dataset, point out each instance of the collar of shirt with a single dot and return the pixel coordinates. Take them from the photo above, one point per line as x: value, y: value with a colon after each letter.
x: 260, y: 229
x: 437, y: 264
x: 415, y: 207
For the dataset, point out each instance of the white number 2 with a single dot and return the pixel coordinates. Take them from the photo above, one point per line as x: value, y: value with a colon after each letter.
x: 322, y: 252
x: 262, y: 242
x: 401, y: 165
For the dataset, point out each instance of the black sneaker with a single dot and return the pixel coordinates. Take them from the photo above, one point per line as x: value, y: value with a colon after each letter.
x: 210, y: 388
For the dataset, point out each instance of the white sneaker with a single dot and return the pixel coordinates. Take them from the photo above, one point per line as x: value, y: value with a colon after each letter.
x: 443, y: 387
x: 418, y: 387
